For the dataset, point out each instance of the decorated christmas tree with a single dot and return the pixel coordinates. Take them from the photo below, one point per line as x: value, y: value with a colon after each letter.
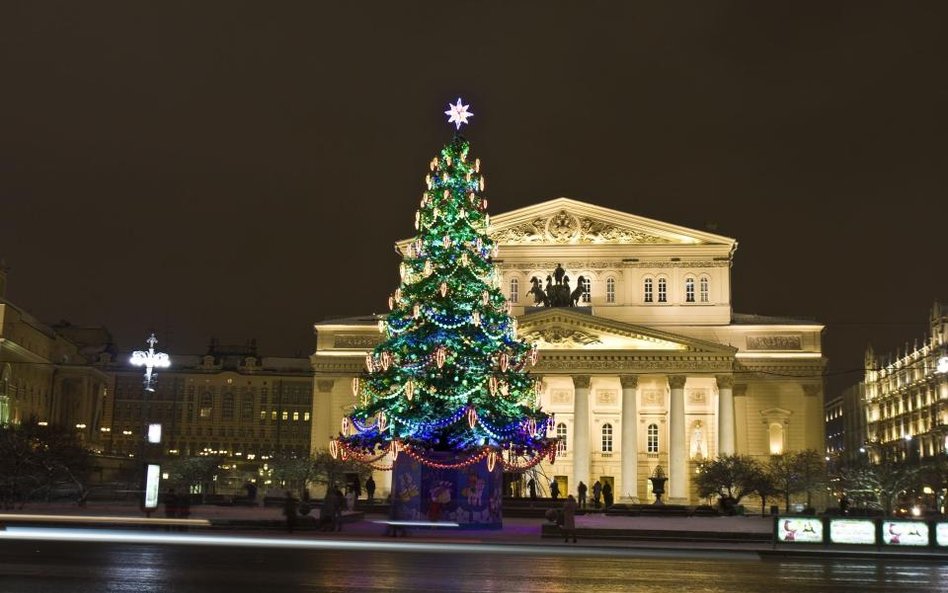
x: 448, y: 386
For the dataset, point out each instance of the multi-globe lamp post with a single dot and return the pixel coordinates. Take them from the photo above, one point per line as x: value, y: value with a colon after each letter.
x: 151, y: 432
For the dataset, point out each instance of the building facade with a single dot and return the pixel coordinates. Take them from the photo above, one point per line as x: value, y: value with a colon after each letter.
x: 906, y: 394
x: 651, y: 368
x: 47, y: 376
x: 229, y: 402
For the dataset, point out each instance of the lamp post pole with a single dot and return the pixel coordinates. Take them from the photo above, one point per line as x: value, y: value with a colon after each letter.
x: 149, y: 480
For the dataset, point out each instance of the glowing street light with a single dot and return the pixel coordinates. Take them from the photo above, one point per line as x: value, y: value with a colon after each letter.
x: 150, y: 360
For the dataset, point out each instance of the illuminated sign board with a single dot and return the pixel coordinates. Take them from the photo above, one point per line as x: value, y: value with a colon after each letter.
x: 904, y: 533
x: 852, y: 531
x: 808, y: 530
x: 941, y: 534
x: 154, y: 433
x: 151, y: 486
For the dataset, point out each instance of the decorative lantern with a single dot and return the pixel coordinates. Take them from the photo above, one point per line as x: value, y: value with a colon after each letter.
x: 471, y: 417
x: 428, y: 267
x: 441, y: 354
x: 355, y: 386
x: 447, y: 159
x: 417, y: 220
x: 464, y: 259
x: 382, y: 422
x: 481, y: 183
x: 492, y: 385
x: 531, y: 427
x: 345, y: 426
x: 381, y: 326
x: 409, y: 389
x: 333, y: 448
x: 416, y: 311
x: 391, y: 303
x: 398, y: 294
x: 477, y: 165
x: 394, y: 449
x: 476, y: 317
x: 534, y: 355
x: 491, y: 460
x: 443, y: 289
x: 369, y: 363
x: 485, y: 298
x: 503, y: 361
x: 446, y: 241
x: 386, y: 360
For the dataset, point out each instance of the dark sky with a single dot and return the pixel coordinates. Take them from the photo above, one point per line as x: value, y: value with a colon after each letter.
x: 242, y: 170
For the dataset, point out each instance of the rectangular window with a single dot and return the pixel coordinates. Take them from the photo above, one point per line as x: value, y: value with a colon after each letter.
x: 296, y: 415
x: 514, y: 290
x: 689, y: 290
x: 611, y: 290
x: 305, y: 416
x: 273, y: 415
x: 607, y: 438
x: 703, y: 292
x: 285, y: 415
x: 648, y: 290
x: 662, y: 290
x: 652, y: 442
x: 263, y: 414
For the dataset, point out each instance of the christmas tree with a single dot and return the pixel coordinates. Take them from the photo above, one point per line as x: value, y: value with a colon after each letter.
x: 448, y: 386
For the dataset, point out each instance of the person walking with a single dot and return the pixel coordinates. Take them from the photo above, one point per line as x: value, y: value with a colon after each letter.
x: 337, y: 511
x: 554, y: 490
x: 328, y: 511
x: 370, y: 489
x: 532, y: 487
x: 569, y: 519
x: 291, y: 508
x: 597, y: 492
x: 581, y: 491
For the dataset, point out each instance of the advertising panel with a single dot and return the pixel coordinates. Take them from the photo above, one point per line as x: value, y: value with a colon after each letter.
x: 807, y: 530
x: 941, y: 534
x: 904, y: 533
x: 852, y: 531
x: 151, y: 486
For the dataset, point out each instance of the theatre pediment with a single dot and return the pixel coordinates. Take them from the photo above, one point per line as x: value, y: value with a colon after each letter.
x: 565, y: 329
x: 565, y: 221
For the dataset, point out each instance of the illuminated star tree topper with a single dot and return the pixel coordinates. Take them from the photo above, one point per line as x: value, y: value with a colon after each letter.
x: 458, y: 114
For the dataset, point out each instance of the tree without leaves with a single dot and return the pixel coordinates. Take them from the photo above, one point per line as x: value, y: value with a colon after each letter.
x: 881, y: 483
x: 731, y: 477
x: 194, y: 471
x: 34, y: 460
x: 321, y: 468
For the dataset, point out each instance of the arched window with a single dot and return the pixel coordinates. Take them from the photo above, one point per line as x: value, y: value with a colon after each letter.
x: 607, y: 438
x: 561, y: 435
x: 585, y: 285
x: 652, y: 436
x: 227, y: 407
x: 206, y: 404
x: 514, y: 290
x: 703, y: 289
x: 647, y: 290
x: 610, y: 290
x: 662, y: 290
x: 689, y: 290
x: 776, y: 438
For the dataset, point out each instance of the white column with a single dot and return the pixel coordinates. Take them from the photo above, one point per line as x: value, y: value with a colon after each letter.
x: 725, y: 415
x: 678, y: 470
x: 580, y: 432
x: 630, y: 442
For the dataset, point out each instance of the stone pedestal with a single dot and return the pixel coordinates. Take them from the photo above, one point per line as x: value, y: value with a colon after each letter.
x: 470, y: 496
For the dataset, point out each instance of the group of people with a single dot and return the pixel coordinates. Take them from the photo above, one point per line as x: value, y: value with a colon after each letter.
x: 334, y: 503
x: 600, y: 492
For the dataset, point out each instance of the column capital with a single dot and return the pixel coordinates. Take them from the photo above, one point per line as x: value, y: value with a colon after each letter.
x: 740, y: 389
x: 629, y: 381
x: 677, y: 381
x: 324, y: 385
x: 725, y: 381
x: 812, y: 389
x: 581, y: 381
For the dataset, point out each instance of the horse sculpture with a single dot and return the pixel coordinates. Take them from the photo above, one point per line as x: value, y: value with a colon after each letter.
x: 579, y: 291
x: 539, y: 297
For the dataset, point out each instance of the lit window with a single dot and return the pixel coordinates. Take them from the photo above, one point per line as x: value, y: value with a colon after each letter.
x: 585, y: 285
x: 689, y: 290
x: 206, y: 402
x: 610, y: 290
x: 652, y: 444
x: 296, y: 415
x: 273, y: 415
x: 263, y: 414
x: 305, y: 416
x: 561, y: 435
x: 648, y: 290
x: 607, y: 438
x: 286, y: 415
x: 703, y: 290
x: 514, y: 290
x: 662, y: 290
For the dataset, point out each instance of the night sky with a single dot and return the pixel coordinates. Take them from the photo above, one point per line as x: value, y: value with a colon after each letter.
x: 242, y: 170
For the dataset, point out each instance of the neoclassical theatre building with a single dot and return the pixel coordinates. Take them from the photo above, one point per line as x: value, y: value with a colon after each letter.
x: 648, y: 367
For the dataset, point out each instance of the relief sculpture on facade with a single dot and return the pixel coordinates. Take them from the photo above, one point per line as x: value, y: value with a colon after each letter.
x: 564, y: 227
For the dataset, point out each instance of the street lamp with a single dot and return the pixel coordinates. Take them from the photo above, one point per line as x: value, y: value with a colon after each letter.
x: 150, y: 432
